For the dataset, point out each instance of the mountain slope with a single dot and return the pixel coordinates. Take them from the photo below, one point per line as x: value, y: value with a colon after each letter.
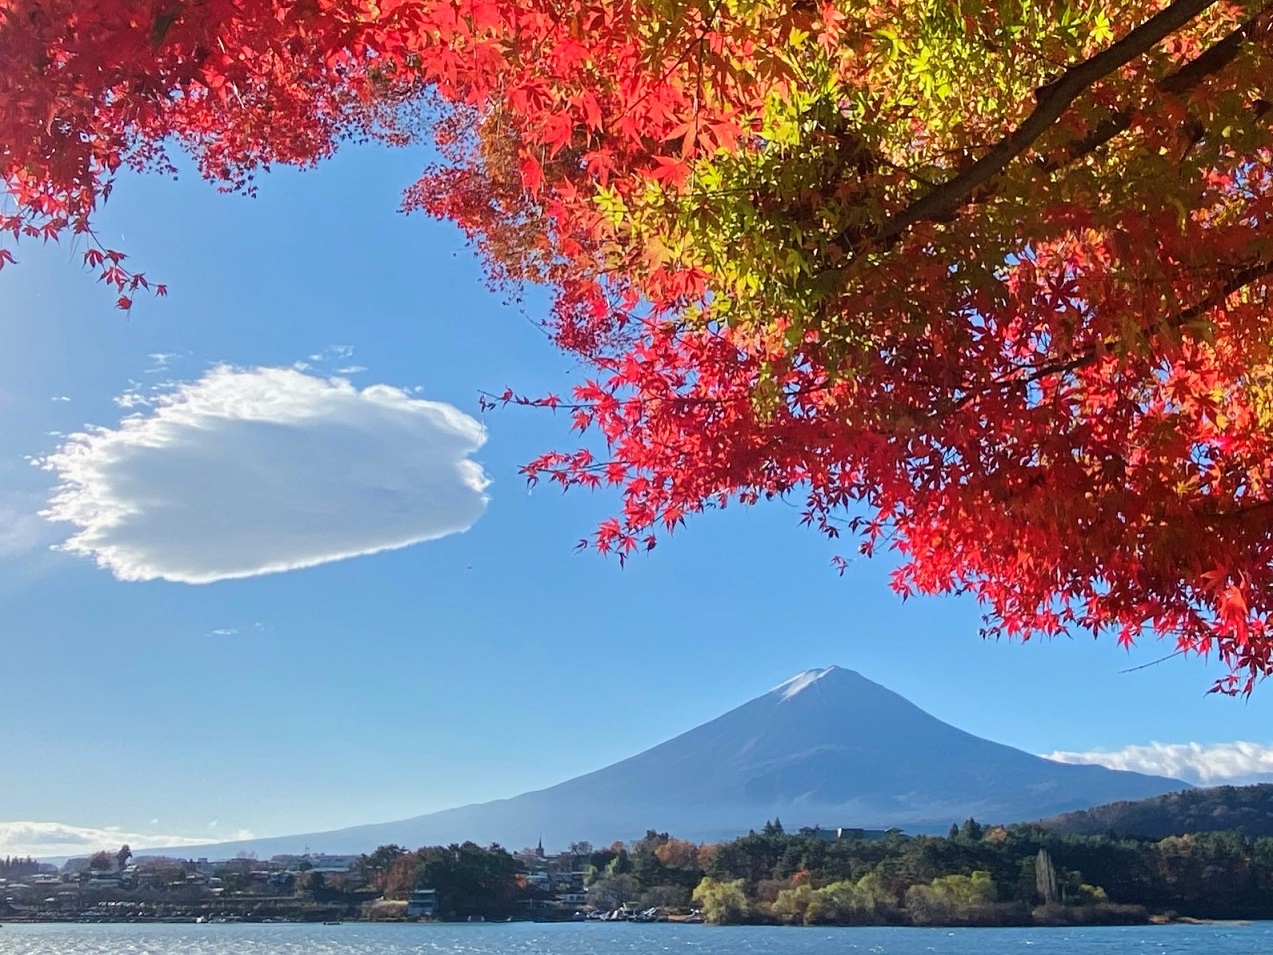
x: 827, y: 747
x: 1244, y: 809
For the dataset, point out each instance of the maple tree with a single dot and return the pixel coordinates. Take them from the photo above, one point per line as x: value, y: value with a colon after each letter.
x: 983, y: 281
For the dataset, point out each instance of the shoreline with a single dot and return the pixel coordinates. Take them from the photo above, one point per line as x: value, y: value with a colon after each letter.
x: 1152, y: 921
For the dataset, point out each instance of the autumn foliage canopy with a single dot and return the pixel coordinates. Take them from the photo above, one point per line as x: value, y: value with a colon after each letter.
x: 983, y: 281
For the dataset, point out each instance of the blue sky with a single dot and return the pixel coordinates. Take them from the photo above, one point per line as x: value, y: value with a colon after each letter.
x: 462, y: 668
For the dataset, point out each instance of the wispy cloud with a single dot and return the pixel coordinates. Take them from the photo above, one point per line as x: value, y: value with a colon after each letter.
x: 44, y: 839
x: 1207, y: 764
x: 161, y: 361
x: 134, y: 397
x: 233, y: 835
x: 334, y: 353
x: 241, y: 629
x: 260, y: 470
x: 21, y: 529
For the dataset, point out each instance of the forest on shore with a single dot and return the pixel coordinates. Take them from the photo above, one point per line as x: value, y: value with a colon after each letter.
x: 1243, y: 809
x: 975, y: 875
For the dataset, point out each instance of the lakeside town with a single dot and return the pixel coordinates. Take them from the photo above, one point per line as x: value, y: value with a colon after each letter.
x: 988, y: 875
x: 121, y: 886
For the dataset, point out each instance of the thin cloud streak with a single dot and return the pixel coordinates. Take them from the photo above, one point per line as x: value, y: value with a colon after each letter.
x: 22, y: 532
x: 57, y: 839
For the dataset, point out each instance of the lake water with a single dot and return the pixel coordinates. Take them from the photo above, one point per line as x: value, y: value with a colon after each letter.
x: 625, y: 939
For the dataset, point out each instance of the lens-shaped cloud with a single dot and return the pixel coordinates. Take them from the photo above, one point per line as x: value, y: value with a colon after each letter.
x: 260, y: 470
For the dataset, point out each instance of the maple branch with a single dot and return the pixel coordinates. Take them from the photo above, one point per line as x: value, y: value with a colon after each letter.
x: 1237, y: 281
x: 1053, y: 100
x: 1215, y: 58
x: 680, y: 60
x: 1184, y: 80
x: 1154, y: 663
x: 1244, y: 511
x: 975, y: 185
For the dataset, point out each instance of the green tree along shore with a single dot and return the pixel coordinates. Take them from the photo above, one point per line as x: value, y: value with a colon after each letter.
x: 1018, y: 875
x: 995, y: 876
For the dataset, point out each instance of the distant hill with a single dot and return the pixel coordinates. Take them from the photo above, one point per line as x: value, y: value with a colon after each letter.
x: 827, y: 747
x: 1244, y: 809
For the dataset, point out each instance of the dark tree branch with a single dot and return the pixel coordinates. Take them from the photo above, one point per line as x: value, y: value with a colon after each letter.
x: 1184, y: 80
x: 942, y: 202
x: 1215, y: 58
x: 1236, y: 282
x: 1053, y: 100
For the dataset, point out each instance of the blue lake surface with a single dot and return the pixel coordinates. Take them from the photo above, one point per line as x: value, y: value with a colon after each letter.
x: 626, y: 939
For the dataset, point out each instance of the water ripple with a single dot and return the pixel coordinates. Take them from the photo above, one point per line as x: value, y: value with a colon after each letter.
x: 624, y: 939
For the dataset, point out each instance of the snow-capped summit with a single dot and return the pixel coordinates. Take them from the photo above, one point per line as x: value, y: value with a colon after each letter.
x: 801, y: 682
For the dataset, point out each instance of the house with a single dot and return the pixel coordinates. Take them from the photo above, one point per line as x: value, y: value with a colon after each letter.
x: 567, y: 881
x: 317, y: 861
x: 333, y: 863
x: 423, y: 904
x: 846, y: 832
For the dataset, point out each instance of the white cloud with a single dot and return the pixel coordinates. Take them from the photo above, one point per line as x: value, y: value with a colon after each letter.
x: 259, y: 470
x: 334, y: 353
x: 256, y: 627
x: 163, y: 361
x: 1208, y: 764
x: 45, y: 839
x: 132, y: 399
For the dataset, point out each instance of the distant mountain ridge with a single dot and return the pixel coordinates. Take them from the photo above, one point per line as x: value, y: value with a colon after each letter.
x: 1244, y: 809
x: 827, y: 747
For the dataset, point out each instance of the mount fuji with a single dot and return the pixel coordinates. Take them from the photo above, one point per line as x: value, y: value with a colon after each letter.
x: 827, y: 747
